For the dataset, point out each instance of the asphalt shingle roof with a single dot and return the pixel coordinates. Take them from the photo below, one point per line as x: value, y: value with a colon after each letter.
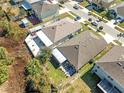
x: 82, y: 48
x: 113, y: 63
x: 60, y: 29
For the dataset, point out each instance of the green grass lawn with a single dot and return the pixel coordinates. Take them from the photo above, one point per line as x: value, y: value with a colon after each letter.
x: 102, y: 53
x: 84, y: 3
x: 56, y: 75
x: 121, y: 25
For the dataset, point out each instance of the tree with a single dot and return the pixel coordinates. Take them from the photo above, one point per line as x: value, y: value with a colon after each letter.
x: 34, y: 68
x: 37, y: 81
x: 45, y: 55
x: 5, y: 60
x: 3, y: 53
x: 3, y: 73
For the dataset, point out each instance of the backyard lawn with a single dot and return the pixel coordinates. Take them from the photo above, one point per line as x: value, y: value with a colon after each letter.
x: 79, y: 86
x: 56, y: 75
x: 86, y: 84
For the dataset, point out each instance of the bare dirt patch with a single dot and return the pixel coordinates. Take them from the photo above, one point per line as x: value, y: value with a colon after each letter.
x: 20, y: 55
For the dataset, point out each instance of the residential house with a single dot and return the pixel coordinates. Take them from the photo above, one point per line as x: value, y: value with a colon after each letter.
x: 46, y: 36
x: 119, y: 9
x: 110, y: 68
x: 45, y: 10
x: 80, y: 50
x: 106, y: 4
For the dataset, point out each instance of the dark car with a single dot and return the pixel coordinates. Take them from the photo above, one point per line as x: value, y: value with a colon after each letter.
x: 77, y: 18
x: 76, y: 7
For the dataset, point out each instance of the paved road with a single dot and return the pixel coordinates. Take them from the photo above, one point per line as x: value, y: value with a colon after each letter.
x: 83, y: 12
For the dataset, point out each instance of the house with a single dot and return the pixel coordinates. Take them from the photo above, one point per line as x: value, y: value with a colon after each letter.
x: 80, y: 50
x: 119, y: 9
x: 110, y: 68
x: 106, y: 4
x: 46, y: 36
x: 45, y: 10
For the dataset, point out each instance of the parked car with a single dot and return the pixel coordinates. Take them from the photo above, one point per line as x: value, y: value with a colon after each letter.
x: 76, y: 7
x: 77, y: 18
x: 118, y: 20
x: 94, y: 23
x: 90, y: 19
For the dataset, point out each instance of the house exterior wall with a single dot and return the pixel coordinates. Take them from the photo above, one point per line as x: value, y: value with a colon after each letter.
x: 104, y: 75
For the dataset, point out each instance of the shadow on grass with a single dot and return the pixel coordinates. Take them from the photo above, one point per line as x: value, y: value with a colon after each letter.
x: 91, y: 80
x: 54, y: 62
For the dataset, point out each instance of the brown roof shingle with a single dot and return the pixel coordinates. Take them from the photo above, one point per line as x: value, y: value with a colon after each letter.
x: 113, y: 63
x: 61, y: 29
x: 80, y: 49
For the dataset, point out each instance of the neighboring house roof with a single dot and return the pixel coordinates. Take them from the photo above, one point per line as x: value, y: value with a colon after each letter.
x: 60, y: 29
x: 103, y: 3
x: 82, y: 48
x: 44, y: 9
x: 120, y: 9
x: 113, y: 63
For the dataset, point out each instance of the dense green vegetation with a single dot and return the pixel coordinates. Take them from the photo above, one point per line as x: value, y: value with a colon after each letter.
x: 36, y: 74
x: 37, y: 81
x: 5, y: 60
x: 45, y: 55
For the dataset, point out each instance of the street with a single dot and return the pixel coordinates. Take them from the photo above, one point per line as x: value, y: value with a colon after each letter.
x: 83, y: 13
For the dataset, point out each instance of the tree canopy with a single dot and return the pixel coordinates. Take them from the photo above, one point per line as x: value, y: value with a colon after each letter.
x: 37, y: 81
x: 45, y: 55
x: 3, y: 73
x: 5, y: 60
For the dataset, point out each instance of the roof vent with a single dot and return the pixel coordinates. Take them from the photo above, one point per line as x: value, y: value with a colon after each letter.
x: 119, y: 63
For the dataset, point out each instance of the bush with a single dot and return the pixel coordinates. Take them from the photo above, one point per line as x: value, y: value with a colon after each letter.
x: 3, y: 73
x: 45, y: 55
x: 34, y: 68
x: 4, y: 62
